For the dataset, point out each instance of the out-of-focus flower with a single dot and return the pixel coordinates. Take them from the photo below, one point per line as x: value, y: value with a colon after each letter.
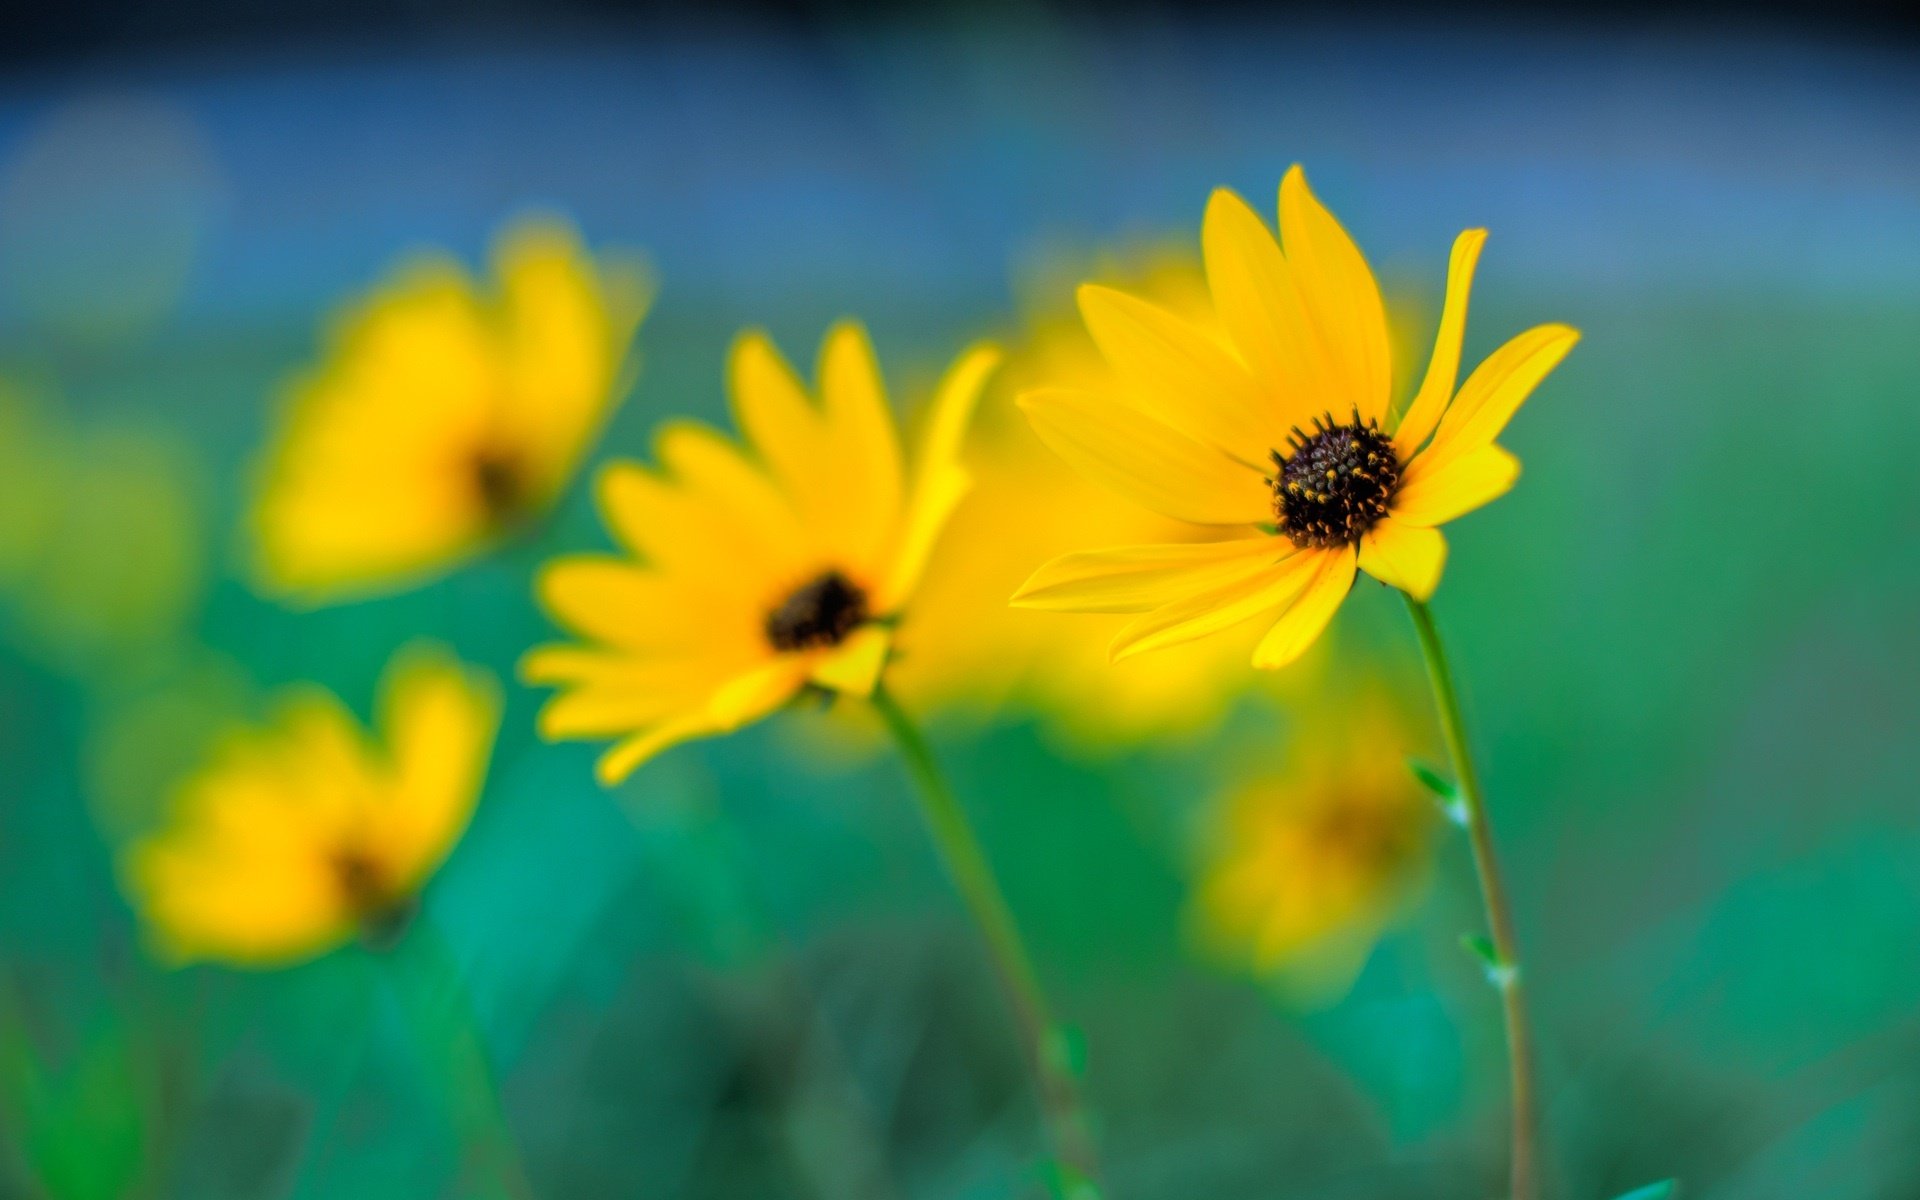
x: 298, y: 835
x: 1279, y: 437
x: 442, y: 418
x: 1305, y: 867
x: 102, y: 552
x: 962, y: 645
x: 761, y: 575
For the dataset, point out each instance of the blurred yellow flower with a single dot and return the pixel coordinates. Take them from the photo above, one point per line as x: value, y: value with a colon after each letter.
x: 962, y: 645
x: 298, y: 835
x: 1279, y: 436
x: 442, y: 417
x: 761, y: 573
x: 1304, y: 868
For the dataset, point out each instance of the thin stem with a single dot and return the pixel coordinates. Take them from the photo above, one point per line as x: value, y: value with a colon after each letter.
x: 440, y: 1012
x: 967, y: 864
x: 1493, y: 890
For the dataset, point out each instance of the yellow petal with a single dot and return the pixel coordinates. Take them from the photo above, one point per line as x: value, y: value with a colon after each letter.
x: 438, y: 721
x: 1301, y: 625
x: 1181, y: 376
x: 702, y: 546
x: 740, y: 701
x: 1259, y: 303
x: 1141, y: 578
x: 1341, y: 298
x: 1408, y: 557
x: 854, y: 666
x: 939, y: 481
x: 860, y: 425
x: 1496, y: 389
x: 1145, y: 460
x: 613, y: 601
x: 713, y: 470
x: 1444, y: 367
x: 563, y: 342
x: 1434, y: 495
x: 1239, y: 599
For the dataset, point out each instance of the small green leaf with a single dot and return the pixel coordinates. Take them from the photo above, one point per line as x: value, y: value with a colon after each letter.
x: 1500, y: 973
x: 1666, y: 1189
x: 1444, y: 792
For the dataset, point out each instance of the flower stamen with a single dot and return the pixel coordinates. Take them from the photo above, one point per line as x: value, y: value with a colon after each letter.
x: 817, y: 614
x: 1335, y: 483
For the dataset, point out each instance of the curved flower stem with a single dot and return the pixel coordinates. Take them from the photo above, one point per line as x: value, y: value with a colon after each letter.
x: 967, y: 865
x: 1493, y: 890
x: 440, y: 1013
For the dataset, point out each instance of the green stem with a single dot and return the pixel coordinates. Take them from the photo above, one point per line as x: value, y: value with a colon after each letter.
x: 967, y: 864
x: 440, y: 1014
x: 1493, y: 890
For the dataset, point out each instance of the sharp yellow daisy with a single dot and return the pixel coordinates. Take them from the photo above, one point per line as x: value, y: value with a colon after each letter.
x: 755, y: 571
x: 1307, y: 865
x: 298, y: 835
x: 443, y: 417
x: 1280, y: 427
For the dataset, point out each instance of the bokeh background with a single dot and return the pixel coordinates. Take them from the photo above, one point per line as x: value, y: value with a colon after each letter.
x: 1688, y: 637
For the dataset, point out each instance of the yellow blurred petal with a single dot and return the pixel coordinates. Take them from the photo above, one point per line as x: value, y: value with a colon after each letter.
x: 939, y: 481
x: 1444, y: 367
x: 1301, y: 625
x: 861, y: 428
x: 1341, y: 298
x: 740, y: 701
x: 1495, y: 391
x: 1181, y: 376
x: 1145, y: 460
x: 562, y: 345
x: 702, y: 547
x: 853, y: 667
x: 1131, y: 579
x: 1260, y: 305
x: 438, y: 721
x: 1434, y: 495
x: 1408, y: 557
x: 613, y: 601
x: 1240, y: 598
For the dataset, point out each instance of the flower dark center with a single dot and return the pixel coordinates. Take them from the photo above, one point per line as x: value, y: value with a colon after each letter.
x: 1334, y: 483
x: 821, y: 613
x: 380, y: 909
x: 500, y: 480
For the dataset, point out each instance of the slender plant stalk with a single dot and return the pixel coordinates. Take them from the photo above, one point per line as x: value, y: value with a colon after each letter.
x: 440, y: 1013
x: 1493, y: 890
x: 967, y: 864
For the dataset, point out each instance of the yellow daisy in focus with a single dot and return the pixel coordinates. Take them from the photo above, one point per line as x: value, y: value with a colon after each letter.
x: 1280, y: 431
x: 755, y: 571
x: 961, y: 645
x: 307, y: 831
x: 443, y: 416
x: 1306, y: 868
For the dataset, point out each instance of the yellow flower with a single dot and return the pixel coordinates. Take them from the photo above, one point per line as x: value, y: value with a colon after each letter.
x: 1280, y: 431
x: 1306, y: 867
x: 295, y: 836
x: 443, y: 418
x: 962, y: 645
x: 761, y: 573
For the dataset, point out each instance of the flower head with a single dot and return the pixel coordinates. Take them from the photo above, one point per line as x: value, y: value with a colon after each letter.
x: 1305, y: 867
x: 755, y: 571
x: 298, y: 835
x: 961, y: 645
x: 443, y: 417
x: 1282, y: 430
